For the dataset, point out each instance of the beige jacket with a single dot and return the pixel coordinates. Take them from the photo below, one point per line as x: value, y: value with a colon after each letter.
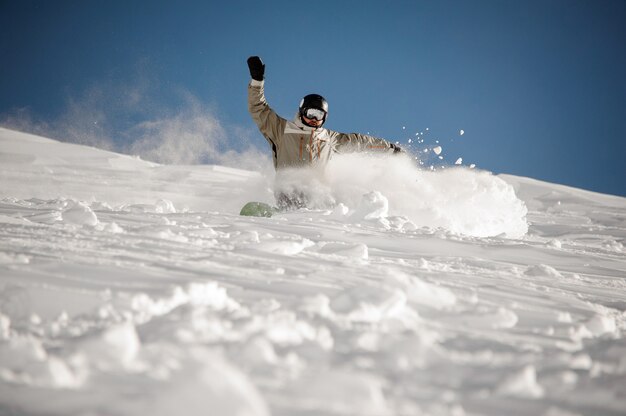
x: 294, y: 144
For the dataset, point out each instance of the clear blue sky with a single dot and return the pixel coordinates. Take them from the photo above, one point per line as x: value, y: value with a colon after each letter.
x: 538, y: 86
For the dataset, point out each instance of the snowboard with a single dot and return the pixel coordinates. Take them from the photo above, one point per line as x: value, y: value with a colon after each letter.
x: 258, y: 209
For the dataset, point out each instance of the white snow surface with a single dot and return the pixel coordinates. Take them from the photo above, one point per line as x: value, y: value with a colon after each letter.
x: 132, y: 288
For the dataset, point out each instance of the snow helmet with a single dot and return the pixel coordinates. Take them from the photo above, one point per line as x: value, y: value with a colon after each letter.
x: 313, y: 101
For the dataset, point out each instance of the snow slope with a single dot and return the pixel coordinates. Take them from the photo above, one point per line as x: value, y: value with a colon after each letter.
x: 130, y: 288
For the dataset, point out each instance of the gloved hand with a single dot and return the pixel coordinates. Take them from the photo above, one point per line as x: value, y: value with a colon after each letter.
x: 257, y: 68
x: 396, y: 148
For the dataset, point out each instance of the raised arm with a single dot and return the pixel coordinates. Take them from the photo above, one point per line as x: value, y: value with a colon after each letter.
x: 269, y: 123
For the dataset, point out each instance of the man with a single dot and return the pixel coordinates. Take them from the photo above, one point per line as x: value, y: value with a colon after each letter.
x: 302, y: 142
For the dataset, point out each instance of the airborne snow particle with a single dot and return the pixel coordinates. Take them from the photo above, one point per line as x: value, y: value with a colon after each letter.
x: 459, y: 161
x: 472, y: 166
x: 461, y: 132
x: 437, y: 150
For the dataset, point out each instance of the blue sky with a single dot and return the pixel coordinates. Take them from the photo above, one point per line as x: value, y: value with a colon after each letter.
x: 539, y: 87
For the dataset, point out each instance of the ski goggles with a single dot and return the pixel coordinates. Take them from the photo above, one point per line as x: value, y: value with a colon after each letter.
x: 314, y: 114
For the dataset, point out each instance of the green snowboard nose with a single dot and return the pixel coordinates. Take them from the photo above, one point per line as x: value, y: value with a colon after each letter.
x: 257, y: 209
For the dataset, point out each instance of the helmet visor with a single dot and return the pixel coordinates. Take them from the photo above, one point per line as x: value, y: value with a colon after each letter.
x: 314, y: 114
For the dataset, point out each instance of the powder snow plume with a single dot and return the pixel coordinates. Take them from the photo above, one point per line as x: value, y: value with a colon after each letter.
x: 140, y: 117
x: 461, y: 200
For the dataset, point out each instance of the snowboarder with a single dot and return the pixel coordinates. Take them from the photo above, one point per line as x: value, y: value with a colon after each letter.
x: 301, y: 142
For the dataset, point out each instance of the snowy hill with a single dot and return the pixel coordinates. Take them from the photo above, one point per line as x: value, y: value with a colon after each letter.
x: 131, y: 288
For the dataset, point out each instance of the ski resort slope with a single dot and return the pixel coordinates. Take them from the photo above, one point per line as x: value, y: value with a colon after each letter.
x: 131, y: 288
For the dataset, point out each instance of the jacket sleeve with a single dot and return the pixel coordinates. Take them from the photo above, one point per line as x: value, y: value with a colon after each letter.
x: 269, y: 123
x: 359, y: 142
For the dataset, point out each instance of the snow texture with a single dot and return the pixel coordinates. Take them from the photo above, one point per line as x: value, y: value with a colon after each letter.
x: 132, y: 288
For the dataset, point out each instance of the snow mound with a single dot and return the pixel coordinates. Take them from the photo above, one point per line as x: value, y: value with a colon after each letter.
x: 601, y: 324
x: 371, y: 304
x: 196, y: 294
x: 542, y: 270
x: 424, y: 293
x: 522, y: 384
x: 79, y: 213
x: 116, y: 346
x: 24, y: 361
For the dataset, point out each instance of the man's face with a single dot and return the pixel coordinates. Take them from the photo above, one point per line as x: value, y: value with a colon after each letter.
x: 311, y: 122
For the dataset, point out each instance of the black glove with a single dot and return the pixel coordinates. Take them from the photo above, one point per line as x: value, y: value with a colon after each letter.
x: 257, y: 68
x: 396, y: 148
